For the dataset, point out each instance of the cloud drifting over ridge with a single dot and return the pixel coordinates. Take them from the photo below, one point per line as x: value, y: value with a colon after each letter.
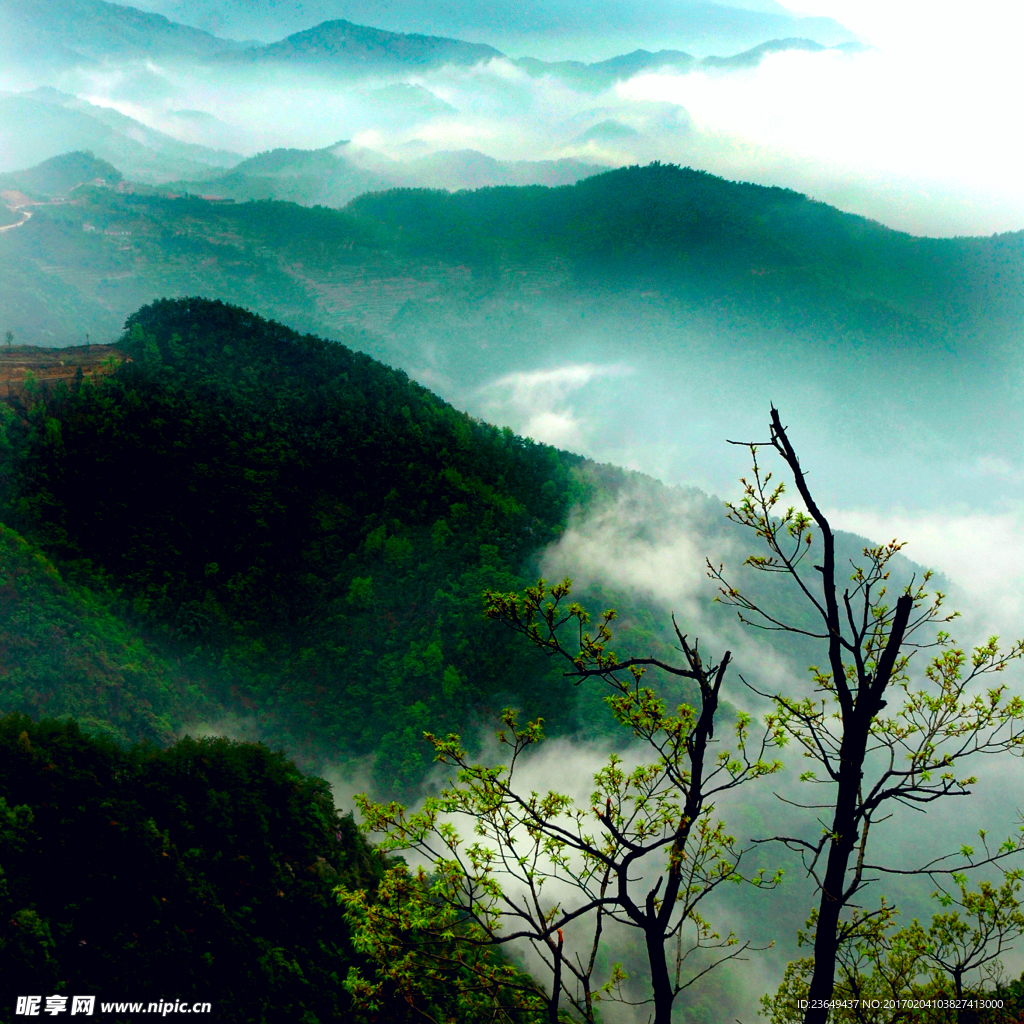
x: 917, y: 133
x: 906, y: 135
x: 539, y: 403
x: 981, y: 553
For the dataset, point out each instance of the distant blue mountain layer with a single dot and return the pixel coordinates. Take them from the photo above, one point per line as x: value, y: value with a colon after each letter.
x: 553, y: 29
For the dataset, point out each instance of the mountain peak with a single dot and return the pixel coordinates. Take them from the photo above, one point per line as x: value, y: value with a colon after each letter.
x: 348, y: 46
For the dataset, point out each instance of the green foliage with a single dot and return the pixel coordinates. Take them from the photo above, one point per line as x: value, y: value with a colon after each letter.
x: 868, y: 755
x: 427, y: 954
x: 304, y: 528
x: 64, y: 651
x: 202, y: 871
x: 538, y: 863
x: 953, y: 958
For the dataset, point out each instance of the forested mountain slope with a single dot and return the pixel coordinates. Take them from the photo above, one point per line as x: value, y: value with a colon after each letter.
x: 673, y: 242
x: 64, y: 650
x: 202, y: 871
x: 697, y: 235
x: 301, y: 531
x: 224, y: 526
x: 236, y: 520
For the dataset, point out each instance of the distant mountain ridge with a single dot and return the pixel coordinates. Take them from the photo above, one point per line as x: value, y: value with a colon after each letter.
x: 552, y: 29
x: 90, y: 30
x: 341, y: 46
x: 766, y: 255
x: 602, y: 74
x: 44, y: 123
x: 60, y: 174
x: 334, y: 175
x: 345, y: 43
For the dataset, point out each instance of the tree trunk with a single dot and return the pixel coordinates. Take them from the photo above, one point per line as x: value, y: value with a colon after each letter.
x: 556, y: 987
x: 661, y: 983
x: 830, y: 905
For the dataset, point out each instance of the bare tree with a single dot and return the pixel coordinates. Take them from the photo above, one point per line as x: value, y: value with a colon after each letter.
x: 877, y: 739
x: 646, y: 851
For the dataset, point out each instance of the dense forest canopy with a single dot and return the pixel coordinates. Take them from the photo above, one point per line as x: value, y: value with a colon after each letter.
x: 304, y: 533
x: 202, y: 871
x: 741, y: 254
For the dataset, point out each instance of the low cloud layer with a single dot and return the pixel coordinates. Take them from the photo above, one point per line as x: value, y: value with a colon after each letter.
x: 914, y: 133
x: 981, y: 553
x: 548, y: 405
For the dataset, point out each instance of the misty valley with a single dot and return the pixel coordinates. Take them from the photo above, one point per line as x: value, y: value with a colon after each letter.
x: 504, y: 518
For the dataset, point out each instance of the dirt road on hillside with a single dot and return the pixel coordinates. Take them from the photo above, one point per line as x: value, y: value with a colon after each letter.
x: 25, y: 216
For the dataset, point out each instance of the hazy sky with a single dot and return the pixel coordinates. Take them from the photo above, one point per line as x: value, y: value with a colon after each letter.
x: 922, y: 132
x: 990, y: 22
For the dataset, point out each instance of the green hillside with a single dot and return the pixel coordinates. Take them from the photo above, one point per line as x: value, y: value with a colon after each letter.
x: 64, y: 651
x: 723, y: 256
x: 239, y: 528
x: 304, y: 531
x: 310, y: 177
x: 202, y: 872
x: 60, y: 174
x: 747, y: 246
x: 239, y: 520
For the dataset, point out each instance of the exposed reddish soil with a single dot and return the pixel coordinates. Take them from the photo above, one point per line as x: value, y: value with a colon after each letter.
x: 50, y: 365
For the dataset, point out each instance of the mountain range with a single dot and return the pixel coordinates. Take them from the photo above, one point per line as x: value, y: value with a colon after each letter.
x: 131, y: 66
x: 675, y: 230
x: 344, y: 46
x: 657, y: 276
x: 89, y: 32
x: 552, y: 29
x: 44, y: 122
x: 341, y: 47
x: 337, y: 174
x: 92, y: 31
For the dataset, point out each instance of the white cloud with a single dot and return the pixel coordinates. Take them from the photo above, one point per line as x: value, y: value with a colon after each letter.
x: 916, y: 136
x: 654, y: 542
x: 982, y: 554
x: 540, y: 403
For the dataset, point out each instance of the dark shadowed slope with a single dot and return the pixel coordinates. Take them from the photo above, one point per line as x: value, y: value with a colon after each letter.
x: 85, y: 31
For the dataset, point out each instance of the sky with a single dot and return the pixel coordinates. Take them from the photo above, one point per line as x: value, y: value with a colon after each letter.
x: 921, y: 132
x: 941, y: 22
